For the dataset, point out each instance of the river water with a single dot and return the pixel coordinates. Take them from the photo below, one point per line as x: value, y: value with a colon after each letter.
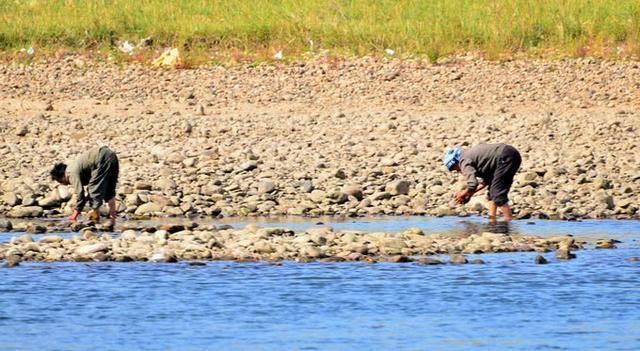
x: 590, y: 303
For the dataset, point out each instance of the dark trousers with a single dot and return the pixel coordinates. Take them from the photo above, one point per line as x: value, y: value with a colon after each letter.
x: 508, y: 165
x: 102, y: 186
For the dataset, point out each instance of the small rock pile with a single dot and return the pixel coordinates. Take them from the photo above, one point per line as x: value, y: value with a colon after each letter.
x: 171, y: 243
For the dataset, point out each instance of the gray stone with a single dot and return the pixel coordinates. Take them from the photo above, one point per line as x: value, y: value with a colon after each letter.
x: 49, y: 202
x: 605, y: 244
x: 28, y: 198
x: 266, y: 186
x: 307, y: 186
x: 12, y: 261
x: 399, y: 259
x: 352, y: 190
x: 25, y: 211
x: 398, y: 187
x: 380, y: 195
x: 36, y: 229
x: 132, y: 200
x: 165, y: 184
x: 5, y: 225
x: 86, y: 250
x: 50, y: 239
x: 458, y: 259
x: 163, y: 255
x: 248, y: 166
x: 540, y: 260
x: 340, y: 174
x: 318, y: 196
x: 563, y: 253
x: 428, y: 261
x: 149, y: 208
x: 11, y: 199
x: 142, y: 186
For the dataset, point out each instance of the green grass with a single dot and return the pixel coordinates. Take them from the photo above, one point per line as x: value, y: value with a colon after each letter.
x: 247, y: 29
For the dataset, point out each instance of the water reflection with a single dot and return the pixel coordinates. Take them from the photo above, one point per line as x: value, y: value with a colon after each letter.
x: 475, y: 227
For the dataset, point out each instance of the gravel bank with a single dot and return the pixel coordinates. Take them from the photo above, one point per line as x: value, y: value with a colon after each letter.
x: 329, y: 136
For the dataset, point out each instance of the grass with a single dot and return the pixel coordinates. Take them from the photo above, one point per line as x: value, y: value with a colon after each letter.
x: 218, y: 30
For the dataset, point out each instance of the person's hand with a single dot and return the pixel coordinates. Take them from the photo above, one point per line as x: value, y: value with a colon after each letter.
x: 74, y: 216
x: 463, y: 196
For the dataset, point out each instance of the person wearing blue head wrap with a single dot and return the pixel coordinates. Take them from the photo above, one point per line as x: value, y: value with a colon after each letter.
x: 495, y: 164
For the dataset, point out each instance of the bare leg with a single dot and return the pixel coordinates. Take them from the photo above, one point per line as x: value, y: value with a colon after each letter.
x: 492, y: 211
x: 112, y: 210
x: 506, y: 212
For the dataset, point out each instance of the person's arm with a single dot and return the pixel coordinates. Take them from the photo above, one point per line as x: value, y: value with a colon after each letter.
x: 81, y: 198
x: 463, y: 196
x: 469, y: 172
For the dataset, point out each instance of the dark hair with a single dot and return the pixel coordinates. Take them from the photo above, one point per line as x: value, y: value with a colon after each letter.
x: 58, y: 171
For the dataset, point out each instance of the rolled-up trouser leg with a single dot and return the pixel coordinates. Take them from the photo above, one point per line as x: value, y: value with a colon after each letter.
x: 508, y: 165
x: 104, y: 178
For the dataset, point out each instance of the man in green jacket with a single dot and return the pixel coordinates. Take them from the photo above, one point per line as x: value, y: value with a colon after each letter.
x: 97, y: 169
x: 495, y: 164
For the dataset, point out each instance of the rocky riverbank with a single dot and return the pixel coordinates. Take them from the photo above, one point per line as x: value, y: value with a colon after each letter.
x: 348, y: 137
x: 171, y: 243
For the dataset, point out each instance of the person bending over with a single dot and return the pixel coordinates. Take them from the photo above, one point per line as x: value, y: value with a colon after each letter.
x: 495, y: 164
x: 97, y: 169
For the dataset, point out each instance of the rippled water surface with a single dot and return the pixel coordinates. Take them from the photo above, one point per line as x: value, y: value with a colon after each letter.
x: 590, y: 303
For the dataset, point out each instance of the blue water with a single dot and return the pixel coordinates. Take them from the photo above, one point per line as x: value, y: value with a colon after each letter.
x: 590, y: 303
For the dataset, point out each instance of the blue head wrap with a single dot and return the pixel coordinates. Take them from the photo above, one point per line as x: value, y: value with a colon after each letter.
x: 451, y: 157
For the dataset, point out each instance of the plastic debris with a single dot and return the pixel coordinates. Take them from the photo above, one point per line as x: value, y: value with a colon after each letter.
x: 169, y: 58
x: 30, y: 51
x: 145, y: 42
x: 389, y: 52
x: 126, y: 47
x: 278, y: 55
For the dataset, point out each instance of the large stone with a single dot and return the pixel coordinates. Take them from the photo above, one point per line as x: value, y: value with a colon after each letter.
x: 12, y: 261
x: 603, y: 198
x: 540, y: 260
x: 428, y: 261
x: 606, y: 244
x: 266, y: 186
x: 132, y: 200
x: 340, y: 174
x: 163, y: 255
x: 307, y: 186
x: 457, y: 259
x: 11, y: 199
x: 148, y: 209
x: 318, y: 196
x: 248, y: 166
x: 5, y: 225
x: 352, y: 190
x: 379, y: 195
x: 398, y: 187
x: 165, y: 184
x: 50, y: 239
x: 89, y: 249
x: 25, y: 211
x: 563, y: 253
x: 49, y: 202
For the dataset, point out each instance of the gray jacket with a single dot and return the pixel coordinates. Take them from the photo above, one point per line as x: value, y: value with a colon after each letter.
x: 480, y: 161
x: 80, y: 173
